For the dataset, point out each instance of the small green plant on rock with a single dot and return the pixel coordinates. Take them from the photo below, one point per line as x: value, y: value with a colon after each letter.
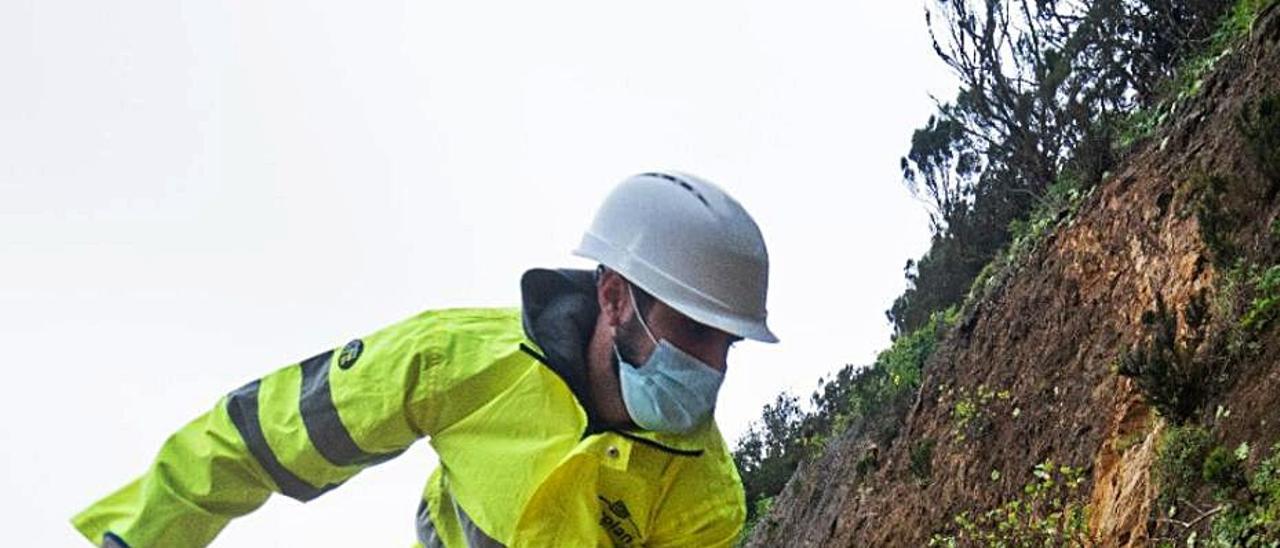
x: 1265, y: 304
x: 971, y: 415
x: 1233, y: 299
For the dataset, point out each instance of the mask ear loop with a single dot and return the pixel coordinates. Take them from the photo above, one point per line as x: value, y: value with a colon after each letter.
x: 635, y: 307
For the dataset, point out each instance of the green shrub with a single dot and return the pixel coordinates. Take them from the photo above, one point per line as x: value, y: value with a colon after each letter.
x: 1259, y: 122
x: 1222, y: 471
x: 1180, y: 464
x: 1166, y: 373
x: 1138, y: 124
x: 1247, y: 510
x: 904, y: 360
x: 869, y: 462
x: 922, y: 459
x: 1214, y: 221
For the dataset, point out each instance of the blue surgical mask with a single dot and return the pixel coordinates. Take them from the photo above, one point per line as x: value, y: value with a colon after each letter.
x: 672, y: 392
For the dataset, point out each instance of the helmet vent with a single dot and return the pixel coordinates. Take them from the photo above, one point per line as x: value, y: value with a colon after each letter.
x: 682, y: 183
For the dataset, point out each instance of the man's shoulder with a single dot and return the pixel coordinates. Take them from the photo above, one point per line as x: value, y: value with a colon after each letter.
x: 436, y: 330
x: 464, y: 319
x: 474, y: 314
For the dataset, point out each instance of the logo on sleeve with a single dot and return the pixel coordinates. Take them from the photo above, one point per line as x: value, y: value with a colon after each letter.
x: 616, y: 519
x: 350, y: 353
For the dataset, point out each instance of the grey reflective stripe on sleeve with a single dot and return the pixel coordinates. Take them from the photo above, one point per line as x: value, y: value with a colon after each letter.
x: 428, y: 536
x: 426, y: 530
x: 110, y: 540
x: 242, y: 407
x: 475, y: 537
x: 328, y: 435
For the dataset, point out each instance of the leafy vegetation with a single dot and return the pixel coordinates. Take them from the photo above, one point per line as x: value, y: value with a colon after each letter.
x: 870, y: 401
x: 1254, y: 519
x: 1047, y: 514
x: 1186, y: 80
x: 1234, y: 300
x: 970, y: 415
x: 1180, y: 458
x: 1222, y: 471
x: 1208, y: 498
x: 1266, y: 299
x: 1059, y: 205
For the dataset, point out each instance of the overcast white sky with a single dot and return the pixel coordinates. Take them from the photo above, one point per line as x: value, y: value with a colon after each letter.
x: 193, y: 194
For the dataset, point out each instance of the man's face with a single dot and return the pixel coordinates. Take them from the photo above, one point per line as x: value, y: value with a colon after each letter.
x: 708, y: 344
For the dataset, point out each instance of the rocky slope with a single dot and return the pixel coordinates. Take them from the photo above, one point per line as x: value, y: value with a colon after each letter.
x: 1034, y: 360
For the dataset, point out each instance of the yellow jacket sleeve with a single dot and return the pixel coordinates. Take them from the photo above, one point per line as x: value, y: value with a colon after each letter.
x: 299, y: 431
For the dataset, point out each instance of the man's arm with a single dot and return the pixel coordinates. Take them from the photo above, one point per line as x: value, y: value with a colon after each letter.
x: 300, y: 431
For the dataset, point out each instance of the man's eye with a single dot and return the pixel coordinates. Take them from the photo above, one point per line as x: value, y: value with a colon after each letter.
x: 698, y: 330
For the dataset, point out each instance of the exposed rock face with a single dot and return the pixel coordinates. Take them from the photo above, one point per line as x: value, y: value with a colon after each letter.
x: 1051, y: 336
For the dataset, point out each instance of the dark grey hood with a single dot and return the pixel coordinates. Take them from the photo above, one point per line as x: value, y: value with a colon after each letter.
x: 559, y: 314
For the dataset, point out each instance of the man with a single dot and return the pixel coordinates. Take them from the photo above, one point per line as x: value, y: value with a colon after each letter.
x: 582, y: 418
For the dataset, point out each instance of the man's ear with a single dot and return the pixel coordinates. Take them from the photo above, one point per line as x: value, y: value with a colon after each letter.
x: 611, y: 295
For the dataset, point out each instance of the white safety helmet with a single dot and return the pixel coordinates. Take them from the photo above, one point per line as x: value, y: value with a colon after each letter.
x: 690, y: 245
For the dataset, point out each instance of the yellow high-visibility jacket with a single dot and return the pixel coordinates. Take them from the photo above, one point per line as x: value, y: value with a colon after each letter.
x: 501, y: 394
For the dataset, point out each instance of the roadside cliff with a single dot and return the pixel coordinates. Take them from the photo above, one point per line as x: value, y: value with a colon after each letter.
x: 1050, y: 377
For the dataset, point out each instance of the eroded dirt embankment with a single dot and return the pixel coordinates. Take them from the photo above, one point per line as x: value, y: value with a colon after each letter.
x: 1047, y: 342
